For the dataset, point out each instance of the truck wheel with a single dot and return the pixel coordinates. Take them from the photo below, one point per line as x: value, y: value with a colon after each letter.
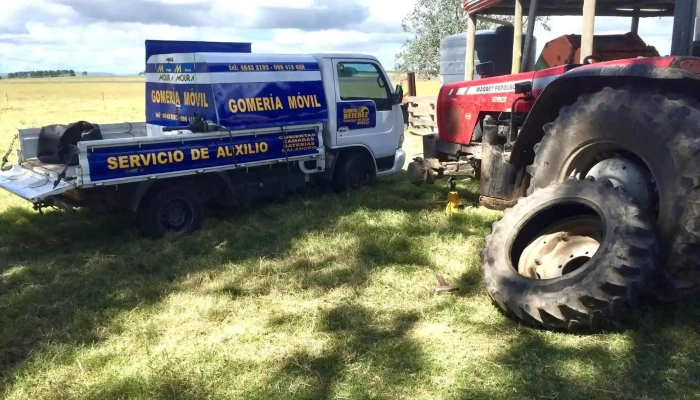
x: 647, y: 143
x: 573, y: 256
x: 353, y: 173
x: 173, y: 209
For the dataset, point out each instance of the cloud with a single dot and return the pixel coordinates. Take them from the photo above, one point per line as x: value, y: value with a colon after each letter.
x: 189, y: 13
x: 108, y: 36
x: 100, y: 35
x: 17, y: 15
x: 321, y: 15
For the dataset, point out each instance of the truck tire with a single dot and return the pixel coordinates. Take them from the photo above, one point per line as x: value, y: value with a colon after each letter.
x: 658, y: 132
x: 574, y: 257
x: 175, y: 209
x: 352, y: 173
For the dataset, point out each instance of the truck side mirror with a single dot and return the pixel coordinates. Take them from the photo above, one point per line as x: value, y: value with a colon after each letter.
x: 398, y: 95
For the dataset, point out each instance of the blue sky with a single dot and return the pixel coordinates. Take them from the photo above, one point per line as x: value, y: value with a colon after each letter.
x: 108, y: 35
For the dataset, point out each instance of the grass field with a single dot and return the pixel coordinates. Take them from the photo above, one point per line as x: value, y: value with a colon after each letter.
x: 312, y: 297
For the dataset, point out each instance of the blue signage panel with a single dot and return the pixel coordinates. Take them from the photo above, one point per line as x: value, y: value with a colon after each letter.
x: 237, y: 105
x: 357, y: 114
x: 162, y: 100
x: 158, y: 158
x: 261, y: 104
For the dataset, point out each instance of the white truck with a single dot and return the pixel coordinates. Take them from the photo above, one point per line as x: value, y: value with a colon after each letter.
x: 223, y: 127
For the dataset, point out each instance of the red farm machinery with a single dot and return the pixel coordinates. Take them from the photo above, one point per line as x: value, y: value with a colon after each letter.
x: 593, y: 153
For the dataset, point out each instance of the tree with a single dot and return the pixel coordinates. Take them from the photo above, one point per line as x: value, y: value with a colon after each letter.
x: 430, y: 22
x: 84, y: 73
x: 42, y: 74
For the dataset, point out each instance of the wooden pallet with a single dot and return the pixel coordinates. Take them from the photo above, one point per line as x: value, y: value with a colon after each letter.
x: 422, y: 116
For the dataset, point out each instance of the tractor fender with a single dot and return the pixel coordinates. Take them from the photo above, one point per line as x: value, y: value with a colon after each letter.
x: 566, y: 89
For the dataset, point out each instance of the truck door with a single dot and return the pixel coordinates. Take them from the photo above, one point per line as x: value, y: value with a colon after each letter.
x: 365, y: 112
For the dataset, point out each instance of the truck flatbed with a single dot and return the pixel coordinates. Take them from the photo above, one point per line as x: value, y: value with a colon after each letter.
x: 126, y: 154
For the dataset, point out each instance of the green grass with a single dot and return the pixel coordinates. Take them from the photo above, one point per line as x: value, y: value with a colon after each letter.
x: 311, y: 297
x: 324, y: 296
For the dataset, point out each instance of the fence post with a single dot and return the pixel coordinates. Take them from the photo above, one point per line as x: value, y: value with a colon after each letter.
x: 411, y: 83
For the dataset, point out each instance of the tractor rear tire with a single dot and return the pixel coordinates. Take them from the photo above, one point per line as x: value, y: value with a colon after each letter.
x: 580, y: 293
x: 661, y: 132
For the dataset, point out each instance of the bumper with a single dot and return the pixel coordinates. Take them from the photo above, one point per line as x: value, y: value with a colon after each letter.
x: 399, y: 161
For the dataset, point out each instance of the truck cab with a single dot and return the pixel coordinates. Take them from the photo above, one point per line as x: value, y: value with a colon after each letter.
x: 351, y: 94
x: 365, y: 111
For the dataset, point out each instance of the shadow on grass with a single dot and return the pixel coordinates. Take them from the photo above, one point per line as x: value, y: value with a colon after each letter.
x: 65, y: 277
x: 358, y: 338
x: 658, y: 358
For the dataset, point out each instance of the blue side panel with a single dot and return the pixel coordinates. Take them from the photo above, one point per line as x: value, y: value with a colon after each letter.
x: 357, y: 114
x: 159, y: 158
x: 237, y: 91
x: 266, y: 104
x: 162, y: 100
x: 240, y: 105
x: 154, y: 47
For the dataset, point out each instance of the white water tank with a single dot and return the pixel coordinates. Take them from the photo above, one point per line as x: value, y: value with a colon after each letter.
x: 494, y: 45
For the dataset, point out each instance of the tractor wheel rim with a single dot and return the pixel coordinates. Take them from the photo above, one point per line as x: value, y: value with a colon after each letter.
x: 608, y: 160
x: 561, y: 248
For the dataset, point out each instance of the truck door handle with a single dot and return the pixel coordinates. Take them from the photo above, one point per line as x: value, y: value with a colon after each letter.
x: 343, y: 129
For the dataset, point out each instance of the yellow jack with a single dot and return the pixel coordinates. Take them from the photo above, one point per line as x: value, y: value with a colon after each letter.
x: 453, y: 199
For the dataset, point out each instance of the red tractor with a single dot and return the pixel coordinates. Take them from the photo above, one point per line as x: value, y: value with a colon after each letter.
x: 594, y: 156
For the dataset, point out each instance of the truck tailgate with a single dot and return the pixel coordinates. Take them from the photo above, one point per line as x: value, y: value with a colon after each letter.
x: 31, y: 185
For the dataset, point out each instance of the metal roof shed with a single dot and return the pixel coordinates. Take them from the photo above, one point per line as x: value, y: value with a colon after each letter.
x: 610, y: 8
x: 683, y: 11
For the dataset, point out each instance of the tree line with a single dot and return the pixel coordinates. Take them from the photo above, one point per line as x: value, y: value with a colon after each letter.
x: 42, y: 74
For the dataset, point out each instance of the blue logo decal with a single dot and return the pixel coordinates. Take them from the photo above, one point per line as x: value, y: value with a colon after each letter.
x: 357, y: 114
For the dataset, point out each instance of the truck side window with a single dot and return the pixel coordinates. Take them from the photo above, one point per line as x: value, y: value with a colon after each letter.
x: 364, y: 81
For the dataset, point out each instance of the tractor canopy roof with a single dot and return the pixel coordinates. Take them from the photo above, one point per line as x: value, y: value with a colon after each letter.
x: 610, y: 8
